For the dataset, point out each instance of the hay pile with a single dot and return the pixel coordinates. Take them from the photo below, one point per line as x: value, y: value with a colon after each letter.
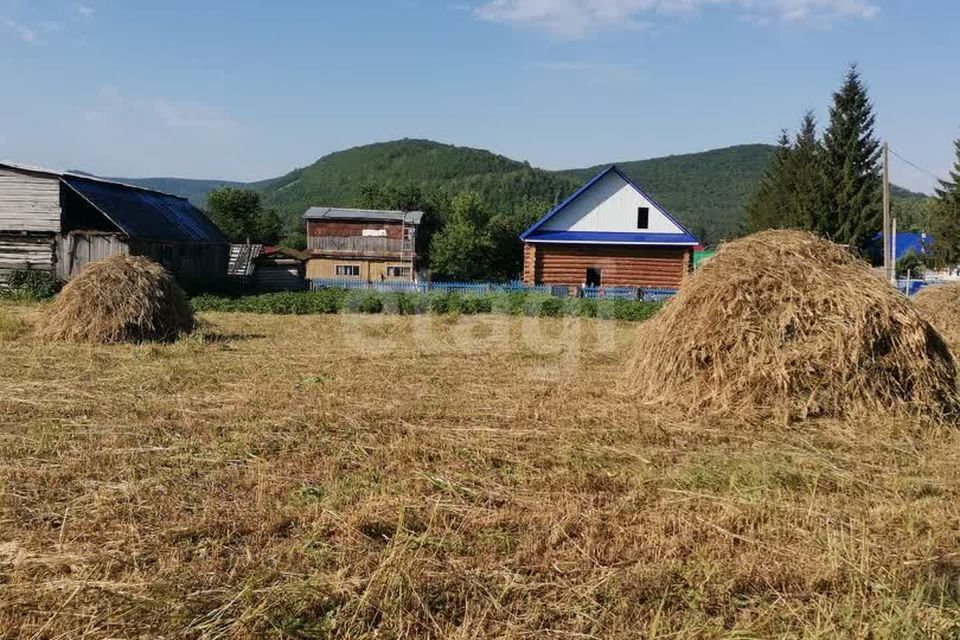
x: 786, y: 324
x: 122, y: 299
x: 940, y: 306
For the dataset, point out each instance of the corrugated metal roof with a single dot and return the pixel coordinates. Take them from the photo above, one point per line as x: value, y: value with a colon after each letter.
x: 607, y: 237
x: 339, y: 213
x: 146, y: 214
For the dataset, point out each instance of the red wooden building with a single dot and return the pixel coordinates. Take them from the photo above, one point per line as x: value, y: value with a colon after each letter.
x: 609, y: 233
x: 361, y: 244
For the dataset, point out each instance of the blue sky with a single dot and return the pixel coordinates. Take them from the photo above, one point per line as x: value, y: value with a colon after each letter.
x: 246, y: 89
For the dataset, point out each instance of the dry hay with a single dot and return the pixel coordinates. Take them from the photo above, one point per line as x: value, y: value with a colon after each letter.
x: 121, y: 299
x: 940, y: 306
x: 786, y: 324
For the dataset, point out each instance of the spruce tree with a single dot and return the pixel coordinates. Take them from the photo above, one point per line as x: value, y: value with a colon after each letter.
x: 769, y: 205
x: 851, y: 162
x: 808, y: 191
x: 945, y: 216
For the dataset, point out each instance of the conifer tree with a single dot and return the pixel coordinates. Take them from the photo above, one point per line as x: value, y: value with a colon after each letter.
x: 945, y: 216
x: 808, y: 191
x: 851, y: 163
x: 769, y: 205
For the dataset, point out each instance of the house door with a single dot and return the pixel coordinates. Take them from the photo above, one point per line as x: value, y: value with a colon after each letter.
x: 594, y: 277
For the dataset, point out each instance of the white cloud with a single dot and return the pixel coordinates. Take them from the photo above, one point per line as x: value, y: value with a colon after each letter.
x: 191, y: 115
x: 158, y: 113
x: 24, y: 32
x: 85, y: 10
x: 579, y: 18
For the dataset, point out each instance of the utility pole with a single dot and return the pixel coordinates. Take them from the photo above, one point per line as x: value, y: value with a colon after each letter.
x: 889, y: 270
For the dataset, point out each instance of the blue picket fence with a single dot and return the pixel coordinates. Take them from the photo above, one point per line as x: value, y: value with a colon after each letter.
x: 647, y: 294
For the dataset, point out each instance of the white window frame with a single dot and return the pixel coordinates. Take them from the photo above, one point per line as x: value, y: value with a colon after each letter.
x: 344, y: 267
x: 400, y: 268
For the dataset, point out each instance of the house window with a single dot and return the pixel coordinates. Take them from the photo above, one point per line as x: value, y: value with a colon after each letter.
x: 643, y: 218
x: 594, y: 277
x: 398, y: 272
x: 350, y: 270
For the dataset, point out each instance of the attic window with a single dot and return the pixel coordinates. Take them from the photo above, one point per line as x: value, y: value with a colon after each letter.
x: 643, y: 217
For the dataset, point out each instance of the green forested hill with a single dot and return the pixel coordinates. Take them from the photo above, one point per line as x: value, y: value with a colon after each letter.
x: 340, y: 178
x: 706, y: 191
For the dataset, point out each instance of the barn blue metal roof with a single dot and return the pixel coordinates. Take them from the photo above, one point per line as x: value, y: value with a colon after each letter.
x: 146, y: 214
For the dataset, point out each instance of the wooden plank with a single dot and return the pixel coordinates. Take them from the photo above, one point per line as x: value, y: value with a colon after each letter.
x: 29, y: 202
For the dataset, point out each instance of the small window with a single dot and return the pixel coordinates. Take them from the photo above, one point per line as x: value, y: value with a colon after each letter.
x: 398, y: 272
x: 351, y: 270
x: 643, y: 218
x: 594, y: 277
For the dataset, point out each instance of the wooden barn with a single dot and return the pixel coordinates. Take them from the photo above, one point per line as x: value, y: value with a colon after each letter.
x: 362, y: 244
x: 58, y: 222
x: 609, y: 233
x: 280, y: 269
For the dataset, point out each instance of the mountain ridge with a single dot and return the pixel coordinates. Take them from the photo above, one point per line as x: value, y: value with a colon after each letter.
x: 705, y: 190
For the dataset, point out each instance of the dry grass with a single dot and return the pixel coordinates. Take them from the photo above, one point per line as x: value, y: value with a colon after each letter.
x: 786, y: 324
x: 940, y: 306
x: 121, y: 299
x: 451, y: 478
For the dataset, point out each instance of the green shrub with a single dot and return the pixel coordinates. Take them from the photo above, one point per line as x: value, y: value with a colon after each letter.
x: 32, y: 284
x: 508, y: 303
x: 326, y: 301
x: 442, y: 303
x: 363, y: 302
x: 543, y: 306
x: 473, y: 304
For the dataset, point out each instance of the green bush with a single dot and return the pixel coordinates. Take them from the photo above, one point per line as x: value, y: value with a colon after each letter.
x: 443, y: 303
x: 327, y: 301
x: 473, y: 304
x: 543, y: 306
x: 363, y: 302
x: 508, y: 303
x: 32, y: 284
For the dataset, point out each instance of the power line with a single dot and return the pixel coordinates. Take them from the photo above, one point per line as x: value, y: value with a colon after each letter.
x: 918, y: 168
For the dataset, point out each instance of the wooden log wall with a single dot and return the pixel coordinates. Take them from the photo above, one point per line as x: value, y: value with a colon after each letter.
x: 620, y: 265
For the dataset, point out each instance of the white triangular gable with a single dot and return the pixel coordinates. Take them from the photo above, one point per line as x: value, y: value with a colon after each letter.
x: 610, y: 205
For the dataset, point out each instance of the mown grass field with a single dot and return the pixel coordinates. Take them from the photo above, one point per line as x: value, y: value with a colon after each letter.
x: 418, y: 477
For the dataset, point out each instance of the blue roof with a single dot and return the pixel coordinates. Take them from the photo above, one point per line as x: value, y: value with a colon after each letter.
x: 908, y: 241
x: 146, y: 214
x: 609, y: 237
x: 533, y: 235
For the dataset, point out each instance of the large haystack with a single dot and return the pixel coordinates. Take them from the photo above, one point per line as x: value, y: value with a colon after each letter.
x: 940, y: 306
x: 122, y: 299
x: 786, y: 324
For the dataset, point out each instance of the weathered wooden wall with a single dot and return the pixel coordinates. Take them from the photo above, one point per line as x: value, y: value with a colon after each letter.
x: 346, y: 229
x: 620, y: 265
x: 281, y: 276
x: 76, y: 250
x: 29, y: 202
x: 196, y: 266
x: 21, y: 251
